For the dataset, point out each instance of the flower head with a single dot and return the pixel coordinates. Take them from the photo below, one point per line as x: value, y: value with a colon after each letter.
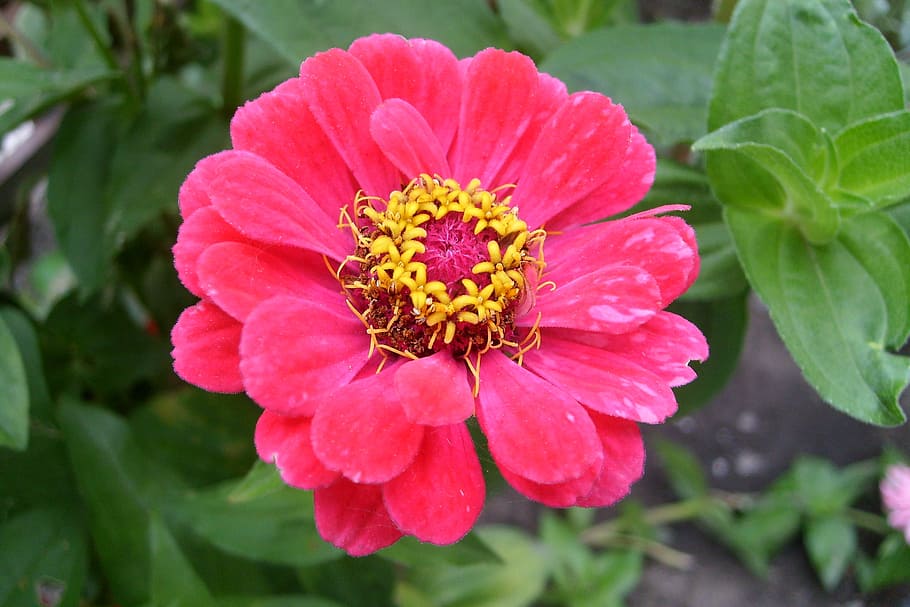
x: 400, y: 242
x: 895, y: 489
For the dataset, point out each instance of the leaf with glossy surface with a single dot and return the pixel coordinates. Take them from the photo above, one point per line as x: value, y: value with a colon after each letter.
x: 830, y: 311
x: 13, y: 392
x: 298, y: 29
x: 813, y: 57
x: 791, y: 156
x: 22, y: 331
x: 275, y: 525
x: 660, y: 73
x: 42, y: 551
x: 831, y: 543
x: 874, y: 158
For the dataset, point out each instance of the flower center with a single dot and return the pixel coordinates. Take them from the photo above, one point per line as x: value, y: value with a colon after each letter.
x: 438, y: 266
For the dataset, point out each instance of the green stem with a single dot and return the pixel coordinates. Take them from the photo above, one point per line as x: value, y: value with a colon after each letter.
x: 31, y: 50
x: 657, y: 551
x: 875, y: 523
x: 659, y: 515
x: 232, y: 81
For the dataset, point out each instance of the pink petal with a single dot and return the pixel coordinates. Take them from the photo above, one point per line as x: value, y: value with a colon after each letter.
x: 264, y: 204
x: 611, y: 299
x: 362, y: 431
x: 342, y: 96
x: 497, y: 105
x: 551, y: 94
x: 422, y: 72
x: 279, y: 127
x: 654, y: 244
x: 353, y: 517
x: 624, y: 461
x: 202, y: 229
x: 285, y: 441
x: 193, y: 193
x: 206, y: 343
x: 555, y: 495
x: 603, y: 381
x: 434, y: 390
x: 533, y: 429
x: 664, y: 345
x: 296, y: 351
x: 582, y: 148
x: 238, y: 277
x: 439, y: 71
x: 439, y: 497
x: 407, y: 140
x: 623, y: 188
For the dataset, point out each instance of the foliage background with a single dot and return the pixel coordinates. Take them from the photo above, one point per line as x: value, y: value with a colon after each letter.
x: 121, y: 485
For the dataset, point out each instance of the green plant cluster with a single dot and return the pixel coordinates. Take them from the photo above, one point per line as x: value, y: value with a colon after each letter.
x: 121, y: 485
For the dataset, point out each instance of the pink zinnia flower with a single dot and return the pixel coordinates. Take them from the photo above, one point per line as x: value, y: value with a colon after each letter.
x: 370, y: 263
x: 896, y: 498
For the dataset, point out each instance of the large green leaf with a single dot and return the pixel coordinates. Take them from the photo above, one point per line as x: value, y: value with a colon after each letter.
x: 811, y: 56
x: 42, y: 555
x: 830, y: 310
x: 13, y: 392
x: 873, y: 158
x: 660, y: 73
x: 793, y: 154
x: 120, y: 489
x: 259, y: 518
x: 300, y: 28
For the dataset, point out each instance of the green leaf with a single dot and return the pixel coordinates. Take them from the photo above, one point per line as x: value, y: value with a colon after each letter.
x: 20, y: 327
x: 83, y: 149
x: 790, y: 152
x: 517, y: 582
x: 683, y: 470
x: 29, y: 89
x: 353, y: 582
x: 205, y: 437
x: 872, y: 157
x: 660, y: 73
x: 814, y: 57
x: 530, y: 25
x: 410, y: 551
x: 42, y: 553
x: 13, y: 392
x: 173, y: 581
x: 891, y: 565
x: 723, y: 322
x: 119, y: 488
x: 831, y: 312
x: 275, y: 601
x: 299, y: 29
x: 176, y: 128
x: 831, y: 543
x: 275, y: 526
x: 822, y: 490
